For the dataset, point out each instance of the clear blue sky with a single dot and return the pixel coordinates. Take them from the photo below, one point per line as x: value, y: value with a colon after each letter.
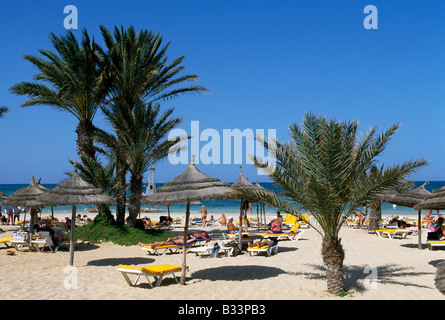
x: 265, y: 62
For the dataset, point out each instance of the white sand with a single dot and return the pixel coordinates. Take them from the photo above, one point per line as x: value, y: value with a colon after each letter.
x: 296, y: 272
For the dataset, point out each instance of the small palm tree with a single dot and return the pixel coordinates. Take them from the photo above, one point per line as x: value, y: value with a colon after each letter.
x: 69, y: 79
x: 375, y: 216
x: 3, y: 110
x: 142, y: 133
x: 323, y: 171
x: 101, y: 176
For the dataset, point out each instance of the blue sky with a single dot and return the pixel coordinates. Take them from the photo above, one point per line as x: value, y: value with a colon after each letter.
x: 265, y: 62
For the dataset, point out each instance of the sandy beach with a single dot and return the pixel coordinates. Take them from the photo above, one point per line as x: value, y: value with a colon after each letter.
x: 296, y: 272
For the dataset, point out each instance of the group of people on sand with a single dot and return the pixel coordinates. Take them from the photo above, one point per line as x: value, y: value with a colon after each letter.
x: 179, y: 240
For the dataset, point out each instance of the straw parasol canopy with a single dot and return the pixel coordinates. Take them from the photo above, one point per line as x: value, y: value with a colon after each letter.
x: 26, y: 197
x: 3, y: 195
x: 73, y: 192
x: 410, y: 199
x: 435, y: 201
x: 191, y: 185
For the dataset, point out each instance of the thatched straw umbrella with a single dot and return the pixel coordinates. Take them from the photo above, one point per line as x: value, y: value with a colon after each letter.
x: 435, y: 201
x: 237, y: 193
x: 191, y: 185
x: 3, y: 195
x: 410, y: 199
x: 73, y: 192
x: 27, y: 197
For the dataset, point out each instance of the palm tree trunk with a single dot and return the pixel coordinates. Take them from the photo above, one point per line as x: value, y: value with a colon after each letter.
x: 135, y: 198
x: 375, y: 216
x: 120, y: 191
x: 333, y: 256
x: 84, y: 130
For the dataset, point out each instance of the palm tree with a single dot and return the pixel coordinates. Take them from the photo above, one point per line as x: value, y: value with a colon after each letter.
x: 137, y: 70
x: 142, y: 134
x: 375, y: 216
x: 115, y: 152
x: 101, y: 176
x: 69, y: 79
x: 323, y: 171
x: 3, y: 110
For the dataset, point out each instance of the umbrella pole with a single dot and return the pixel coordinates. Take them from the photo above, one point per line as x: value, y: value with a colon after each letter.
x: 257, y: 219
x: 72, y: 234
x: 419, y: 230
x: 240, y: 231
x: 184, y: 245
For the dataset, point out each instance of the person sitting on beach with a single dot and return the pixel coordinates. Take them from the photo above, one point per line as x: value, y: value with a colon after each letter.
x: 428, y: 217
x: 85, y: 219
x: 177, y: 240
x: 222, y: 220
x: 360, y: 217
x: 231, y: 227
x: 47, y: 225
x: 439, y: 229
x: 275, y: 227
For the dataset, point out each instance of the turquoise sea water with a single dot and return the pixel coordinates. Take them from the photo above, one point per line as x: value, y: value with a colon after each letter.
x: 228, y: 206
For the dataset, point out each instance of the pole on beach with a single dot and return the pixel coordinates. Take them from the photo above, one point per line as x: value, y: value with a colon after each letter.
x: 419, y: 230
x: 184, y: 244
x: 72, y: 234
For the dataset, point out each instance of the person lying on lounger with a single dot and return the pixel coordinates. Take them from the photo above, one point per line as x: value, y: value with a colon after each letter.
x: 198, y: 235
x: 167, y: 242
x: 265, y: 242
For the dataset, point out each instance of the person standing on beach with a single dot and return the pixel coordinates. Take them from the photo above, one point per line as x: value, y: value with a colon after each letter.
x: 204, y: 215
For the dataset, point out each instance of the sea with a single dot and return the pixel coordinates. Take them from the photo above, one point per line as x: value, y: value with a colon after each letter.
x: 231, y: 207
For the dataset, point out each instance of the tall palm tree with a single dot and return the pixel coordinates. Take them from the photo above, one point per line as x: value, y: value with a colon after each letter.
x: 68, y: 79
x: 3, y: 110
x: 143, y: 134
x: 323, y: 171
x: 138, y: 72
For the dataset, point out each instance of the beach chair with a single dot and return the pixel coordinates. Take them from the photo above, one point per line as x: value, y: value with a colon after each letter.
x: 44, y: 240
x: 392, y: 233
x: 158, y: 272
x: 435, y: 244
x: 303, y: 220
x: 293, y: 234
x: 172, y: 248
x: 245, y: 238
x: 268, y: 249
x: 6, y: 242
x: 20, y: 240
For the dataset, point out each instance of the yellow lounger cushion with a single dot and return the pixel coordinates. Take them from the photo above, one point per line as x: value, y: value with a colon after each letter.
x: 5, y: 240
x: 156, y: 270
x: 259, y: 248
x: 436, y: 242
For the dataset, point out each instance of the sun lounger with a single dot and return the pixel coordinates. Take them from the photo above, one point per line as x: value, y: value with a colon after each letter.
x: 268, y: 249
x: 6, y: 242
x: 161, y: 250
x: 44, y: 240
x: 235, y: 236
x: 156, y: 271
x: 293, y: 234
x: 392, y: 233
x: 435, y: 244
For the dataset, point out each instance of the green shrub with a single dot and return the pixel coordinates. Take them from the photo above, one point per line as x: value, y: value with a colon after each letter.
x: 121, y: 235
